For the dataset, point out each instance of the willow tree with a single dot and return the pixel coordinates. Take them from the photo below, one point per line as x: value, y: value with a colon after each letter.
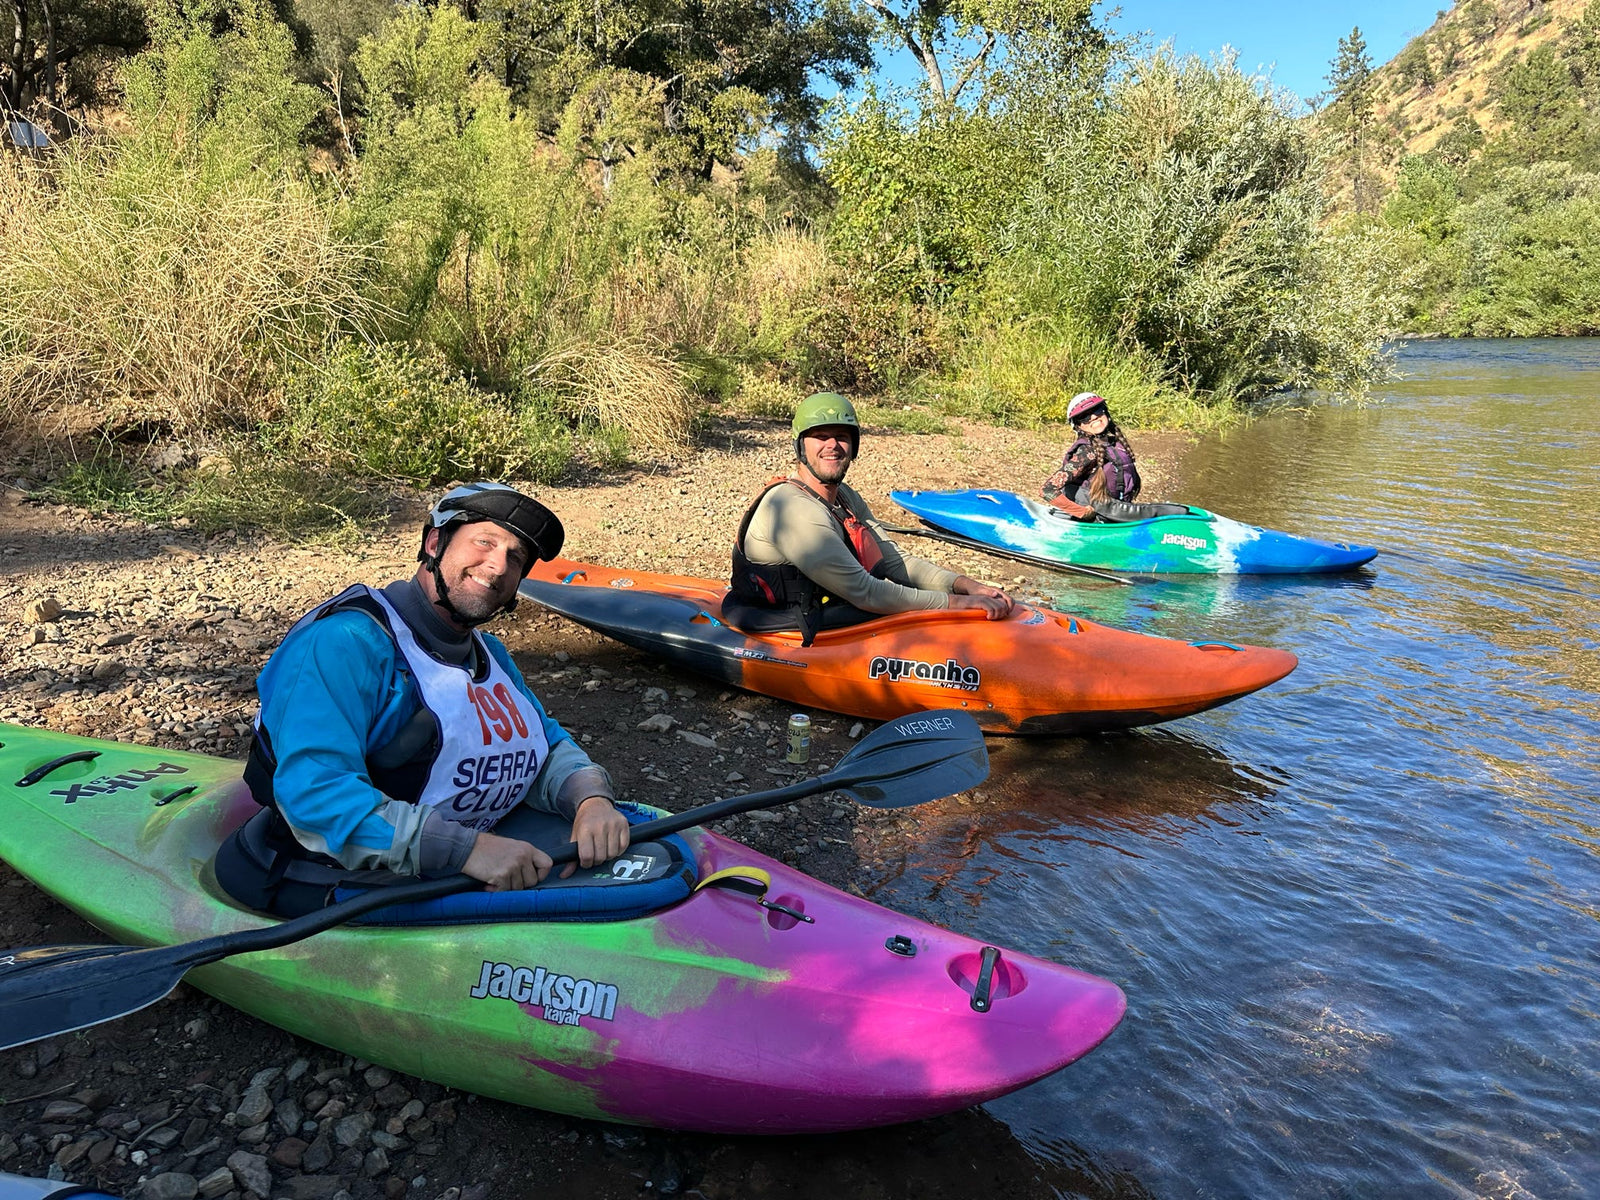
x: 954, y: 41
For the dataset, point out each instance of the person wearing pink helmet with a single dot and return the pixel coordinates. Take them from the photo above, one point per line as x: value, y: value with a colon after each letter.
x: 1099, y: 470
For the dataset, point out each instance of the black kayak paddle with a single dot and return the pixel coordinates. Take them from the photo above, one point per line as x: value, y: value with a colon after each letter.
x: 46, y: 990
x: 956, y: 539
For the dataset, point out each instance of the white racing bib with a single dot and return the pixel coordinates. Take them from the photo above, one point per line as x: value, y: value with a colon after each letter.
x: 493, y: 742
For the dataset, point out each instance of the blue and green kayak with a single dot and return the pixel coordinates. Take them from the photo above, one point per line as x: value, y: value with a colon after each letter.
x: 1181, y: 539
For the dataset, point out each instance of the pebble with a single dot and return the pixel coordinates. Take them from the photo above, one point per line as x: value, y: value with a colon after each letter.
x: 255, y: 1107
x: 41, y: 610
x: 351, y: 1131
x: 171, y: 1185
x: 251, y: 1172
x: 289, y: 1153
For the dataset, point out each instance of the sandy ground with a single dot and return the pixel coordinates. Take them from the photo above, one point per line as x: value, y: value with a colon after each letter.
x: 158, y: 640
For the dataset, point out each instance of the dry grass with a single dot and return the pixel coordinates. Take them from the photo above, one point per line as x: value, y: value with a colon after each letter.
x: 163, y: 306
x: 630, y: 383
x: 787, y: 265
x: 1418, y: 110
x: 786, y: 271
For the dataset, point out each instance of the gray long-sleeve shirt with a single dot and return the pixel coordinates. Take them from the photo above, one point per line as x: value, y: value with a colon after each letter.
x: 791, y: 526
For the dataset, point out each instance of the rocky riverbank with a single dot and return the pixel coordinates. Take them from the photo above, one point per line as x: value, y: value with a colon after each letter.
x: 113, y: 629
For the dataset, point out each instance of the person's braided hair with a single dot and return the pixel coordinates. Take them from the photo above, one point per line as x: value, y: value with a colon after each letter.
x: 1099, y: 449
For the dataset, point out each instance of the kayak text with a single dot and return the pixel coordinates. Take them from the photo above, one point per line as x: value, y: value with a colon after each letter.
x: 1180, y: 539
x: 563, y: 998
x: 949, y: 673
x: 762, y: 656
x: 107, y: 784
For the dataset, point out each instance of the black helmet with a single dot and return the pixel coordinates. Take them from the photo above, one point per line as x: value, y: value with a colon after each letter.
x: 538, y: 527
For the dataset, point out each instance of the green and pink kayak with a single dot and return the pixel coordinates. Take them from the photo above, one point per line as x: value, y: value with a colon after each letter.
x: 1180, y: 539
x: 776, y: 1005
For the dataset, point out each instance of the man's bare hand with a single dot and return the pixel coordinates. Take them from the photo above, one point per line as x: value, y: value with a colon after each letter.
x: 506, y: 864
x: 967, y: 592
x: 599, y: 830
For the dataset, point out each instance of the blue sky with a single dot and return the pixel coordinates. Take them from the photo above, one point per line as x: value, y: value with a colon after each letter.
x: 1300, y: 38
x: 1296, y: 38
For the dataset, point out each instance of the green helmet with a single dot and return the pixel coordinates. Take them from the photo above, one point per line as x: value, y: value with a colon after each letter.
x: 825, y: 408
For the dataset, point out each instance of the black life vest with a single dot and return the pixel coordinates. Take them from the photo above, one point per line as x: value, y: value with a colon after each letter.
x: 782, y: 586
x: 263, y: 856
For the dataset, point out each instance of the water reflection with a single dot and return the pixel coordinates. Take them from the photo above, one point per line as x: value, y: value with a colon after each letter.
x: 968, y: 1155
x: 1191, y: 608
x: 1122, y: 792
x: 1354, y: 913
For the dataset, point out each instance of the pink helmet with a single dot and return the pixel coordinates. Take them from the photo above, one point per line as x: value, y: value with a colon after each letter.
x: 1084, y: 403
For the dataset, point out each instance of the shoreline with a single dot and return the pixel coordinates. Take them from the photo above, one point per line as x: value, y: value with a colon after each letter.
x: 159, y: 641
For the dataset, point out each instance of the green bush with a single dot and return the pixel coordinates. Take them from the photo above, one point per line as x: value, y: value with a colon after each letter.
x: 1521, y: 258
x: 1026, y: 372
x: 1185, y: 217
x: 388, y: 412
x: 859, y: 339
x: 924, y: 198
x: 526, y: 262
x: 242, y: 490
x: 1172, y: 219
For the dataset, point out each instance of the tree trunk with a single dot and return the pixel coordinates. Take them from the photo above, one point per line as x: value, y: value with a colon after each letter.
x: 19, y: 41
x: 49, y: 92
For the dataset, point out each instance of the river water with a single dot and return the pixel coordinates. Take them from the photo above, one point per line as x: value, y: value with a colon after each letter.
x: 1357, y: 914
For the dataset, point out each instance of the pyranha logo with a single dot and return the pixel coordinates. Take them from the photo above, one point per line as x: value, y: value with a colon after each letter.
x: 107, y: 784
x: 949, y: 674
x: 1179, y: 539
x: 563, y: 998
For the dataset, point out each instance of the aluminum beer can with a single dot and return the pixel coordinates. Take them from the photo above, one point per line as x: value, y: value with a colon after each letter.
x: 799, y: 739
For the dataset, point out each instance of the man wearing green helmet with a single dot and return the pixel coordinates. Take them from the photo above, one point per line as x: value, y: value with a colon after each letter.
x: 809, y: 555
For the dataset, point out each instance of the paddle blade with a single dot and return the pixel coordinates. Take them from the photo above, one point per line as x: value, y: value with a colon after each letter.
x: 46, y: 990
x: 913, y: 759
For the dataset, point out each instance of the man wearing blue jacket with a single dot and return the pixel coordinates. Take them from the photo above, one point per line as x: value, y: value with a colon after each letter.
x: 393, y: 735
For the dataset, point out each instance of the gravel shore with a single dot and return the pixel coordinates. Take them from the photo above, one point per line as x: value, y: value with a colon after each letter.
x: 110, y: 628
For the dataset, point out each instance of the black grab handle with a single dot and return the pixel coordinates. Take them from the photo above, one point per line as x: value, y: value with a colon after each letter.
x: 980, y: 991
x: 38, y: 773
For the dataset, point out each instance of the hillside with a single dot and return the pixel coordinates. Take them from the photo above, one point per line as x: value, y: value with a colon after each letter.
x: 1443, y: 90
x: 1450, y: 70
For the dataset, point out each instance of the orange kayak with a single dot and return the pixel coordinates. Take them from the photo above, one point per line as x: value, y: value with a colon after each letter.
x: 1036, y: 672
